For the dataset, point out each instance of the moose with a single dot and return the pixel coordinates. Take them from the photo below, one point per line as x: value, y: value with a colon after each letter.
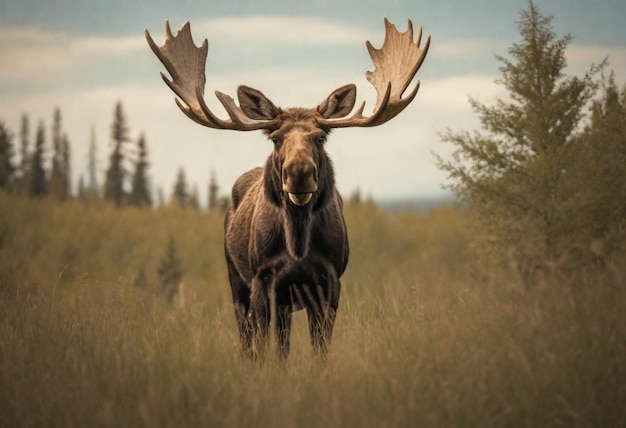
x: 286, y: 243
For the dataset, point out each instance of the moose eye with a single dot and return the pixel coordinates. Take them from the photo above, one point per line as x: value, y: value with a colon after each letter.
x: 275, y: 140
x: 321, y: 139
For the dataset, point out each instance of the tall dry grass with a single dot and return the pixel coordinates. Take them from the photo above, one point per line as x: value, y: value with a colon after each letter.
x: 418, y: 341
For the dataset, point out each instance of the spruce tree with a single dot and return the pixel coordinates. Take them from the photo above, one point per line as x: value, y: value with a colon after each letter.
x: 513, y: 174
x: 6, y: 155
x: 194, y: 199
x: 598, y: 176
x: 38, y: 182
x: 23, y: 180
x: 92, y: 188
x: 213, y: 199
x: 66, y: 158
x: 180, y: 195
x: 56, y: 172
x: 116, y: 174
x: 140, y: 191
x: 170, y: 271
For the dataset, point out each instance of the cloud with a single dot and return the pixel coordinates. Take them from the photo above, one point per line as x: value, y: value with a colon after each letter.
x: 460, y: 48
x: 280, y: 30
x: 451, y: 93
x: 35, y: 54
x: 581, y: 56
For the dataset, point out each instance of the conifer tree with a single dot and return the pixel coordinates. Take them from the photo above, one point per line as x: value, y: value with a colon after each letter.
x: 24, y: 144
x: 38, y: 183
x: 23, y: 179
x: 82, y: 192
x: 170, y: 271
x: 512, y: 175
x: 600, y: 168
x: 56, y: 172
x: 180, y: 195
x: 6, y: 155
x: 92, y: 188
x: 213, y: 199
x: 59, y: 173
x: 194, y: 199
x: 140, y: 191
x: 66, y: 158
x: 116, y: 174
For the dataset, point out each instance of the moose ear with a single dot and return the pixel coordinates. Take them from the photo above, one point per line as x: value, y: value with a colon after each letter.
x: 339, y: 103
x: 255, y: 105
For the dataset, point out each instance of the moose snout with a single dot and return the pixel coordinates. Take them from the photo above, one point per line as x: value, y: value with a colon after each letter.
x: 300, y: 180
x: 300, y: 177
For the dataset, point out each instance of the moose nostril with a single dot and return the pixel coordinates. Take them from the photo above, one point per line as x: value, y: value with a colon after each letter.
x: 300, y: 176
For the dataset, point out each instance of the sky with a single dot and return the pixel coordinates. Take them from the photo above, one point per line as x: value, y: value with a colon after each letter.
x: 83, y: 56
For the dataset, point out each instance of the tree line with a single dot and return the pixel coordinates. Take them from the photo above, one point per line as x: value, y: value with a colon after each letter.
x: 41, y: 172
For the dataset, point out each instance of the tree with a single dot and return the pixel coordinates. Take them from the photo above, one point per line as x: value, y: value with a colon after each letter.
x: 213, y: 199
x: 6, y: 155
x: 57, y: 181
x: 116, y: 174
x: 38, y: 183
x: 180, y: 195
x: 60, y: 180
x: 513, y: 176
x: 194, y: 199
x: 23, y: 176
x: 24, y: 145
x: 92, y: 189
x: 140, y: 191
x: 170, y: 271
x: 600, y: 170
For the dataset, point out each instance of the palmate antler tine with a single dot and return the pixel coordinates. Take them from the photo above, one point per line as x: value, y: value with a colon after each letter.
x: 395, y: 66
x: 185, y: 63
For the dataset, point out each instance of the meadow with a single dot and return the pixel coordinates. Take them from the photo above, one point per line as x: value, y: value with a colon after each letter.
x: 422, y: 339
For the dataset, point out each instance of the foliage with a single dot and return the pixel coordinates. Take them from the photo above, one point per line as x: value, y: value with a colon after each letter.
x: 520, y: 177
x: 418, y: 341
x: 140, y: 189
x: 6, y: 155
x: 92, y: 164
x: 170, y: 271
x: 38, y: 179
x: 181, y: 194
x: 116, y: 173
x: 600, y: 162
x: 213, y: 202
x: 60, y: 176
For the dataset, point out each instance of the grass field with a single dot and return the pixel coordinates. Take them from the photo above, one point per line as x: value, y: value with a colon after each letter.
x: 419, y: 340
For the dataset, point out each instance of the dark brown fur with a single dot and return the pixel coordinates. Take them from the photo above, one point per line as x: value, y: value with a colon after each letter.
x: 281, y: 256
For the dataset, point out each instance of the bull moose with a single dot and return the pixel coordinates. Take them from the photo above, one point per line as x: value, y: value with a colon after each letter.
x: 286, y: 243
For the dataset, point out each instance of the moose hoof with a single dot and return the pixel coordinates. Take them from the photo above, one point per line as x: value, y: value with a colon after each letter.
x: 300, y: 198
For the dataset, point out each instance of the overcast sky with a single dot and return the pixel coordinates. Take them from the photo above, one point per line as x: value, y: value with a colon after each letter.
x: 83, y: 56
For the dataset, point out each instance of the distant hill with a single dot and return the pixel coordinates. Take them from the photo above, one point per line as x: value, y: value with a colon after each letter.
x: 418, y: 204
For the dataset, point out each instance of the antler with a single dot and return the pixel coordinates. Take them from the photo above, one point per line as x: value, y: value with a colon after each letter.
x: 396, y: 64
x: 185, y: 63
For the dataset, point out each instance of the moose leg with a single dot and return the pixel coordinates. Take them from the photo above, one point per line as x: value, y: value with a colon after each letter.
x: 260, y: 307
x: 283, y: 329
x: 321, y: 313
x: 241, y: 303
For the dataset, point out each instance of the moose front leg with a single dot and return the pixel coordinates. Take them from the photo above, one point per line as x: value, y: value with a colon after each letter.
x: 260, y: 310
x: 241, y: 303
x: 321, y: 313
x: 283, y: 329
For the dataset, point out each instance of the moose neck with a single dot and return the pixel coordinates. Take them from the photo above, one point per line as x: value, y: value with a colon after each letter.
x: 298, y: 220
